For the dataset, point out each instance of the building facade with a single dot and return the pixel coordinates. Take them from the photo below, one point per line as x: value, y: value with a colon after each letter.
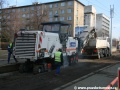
x: 102, y: 24
x: 31, y: 16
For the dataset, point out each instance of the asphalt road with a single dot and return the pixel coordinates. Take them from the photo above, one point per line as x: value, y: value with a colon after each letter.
x: 48, y: 81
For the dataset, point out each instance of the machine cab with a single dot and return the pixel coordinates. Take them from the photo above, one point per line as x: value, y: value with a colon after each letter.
x: 57, y: 27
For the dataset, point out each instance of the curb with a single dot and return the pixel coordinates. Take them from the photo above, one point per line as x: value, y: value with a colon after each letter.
x: 82, y: 78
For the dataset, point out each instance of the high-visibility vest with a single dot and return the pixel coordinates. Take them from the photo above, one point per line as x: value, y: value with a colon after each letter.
x: 58, y: 56
x: 10, y: 45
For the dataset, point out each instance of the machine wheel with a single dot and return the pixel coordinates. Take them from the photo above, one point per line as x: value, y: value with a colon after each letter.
x: 21, y: 68
x: 109, y: 53
x: 38, y: 69
x: 76, y: 58
x: 105, y: 53
x: 99, y: 53
x: 71, y: 60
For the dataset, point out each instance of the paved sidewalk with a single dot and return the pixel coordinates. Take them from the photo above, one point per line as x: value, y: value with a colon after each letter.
x: 4, y: 62
x: 101, y: 78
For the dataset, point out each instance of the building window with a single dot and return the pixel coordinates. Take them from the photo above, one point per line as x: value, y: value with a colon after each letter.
x: 13, y: 10
x: 38, y: 13
x: 63, y: 4
x: 8, y: 23
x: 77, y: 13
x: 38, y: 7
x: 56, y: 19
x: 62, y: 11
x: 45, y: 7
x: 69, y: 18
x: 50, y: 5
x: 18, y: 9
x: 32, y: 15
x: 32, y: 8
x: 31, y: 27
x: 70, y: 3
x: 61, y: 18
x: 23, y: 9
x: 50, y: 13
x: 23, y: 22
x: 56, y: 12
x: 50, y: 19
x: 69, y: 10
x: 56, y: 5
x: 8, y: 17
x: 28, y: 15
x: 76, y: 19
x: 8, y: 11
x: 23, y: 15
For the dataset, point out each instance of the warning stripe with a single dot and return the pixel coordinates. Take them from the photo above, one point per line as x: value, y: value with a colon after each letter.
x: 70, y: 49
x: 39, y: 50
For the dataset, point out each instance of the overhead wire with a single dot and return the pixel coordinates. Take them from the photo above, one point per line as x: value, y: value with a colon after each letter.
x: 99, y: 6
x: 105, y: 9
x: 102, y: 4
x: 117, y: 18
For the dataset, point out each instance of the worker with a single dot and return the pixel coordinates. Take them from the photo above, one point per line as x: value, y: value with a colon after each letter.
x: 58, y: 57
x: 10, y: 51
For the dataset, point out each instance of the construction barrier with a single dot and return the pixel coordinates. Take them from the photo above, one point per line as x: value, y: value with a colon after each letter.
x: 112, y: 84
x: 118, y: 78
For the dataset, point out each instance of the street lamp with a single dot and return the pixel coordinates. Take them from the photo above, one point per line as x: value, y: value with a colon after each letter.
x: 111, y: 16
x: 0, y: 39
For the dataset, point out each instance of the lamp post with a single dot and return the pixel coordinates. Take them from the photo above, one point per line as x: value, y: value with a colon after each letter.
x: 111, y: 16
x: 0, y: 39
x: 0, y: 22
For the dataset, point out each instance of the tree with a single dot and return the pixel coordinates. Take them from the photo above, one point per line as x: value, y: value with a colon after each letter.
x: 14, y: 19
x: 2, y: 2
x: 39, y: 13
x: 11, y: 23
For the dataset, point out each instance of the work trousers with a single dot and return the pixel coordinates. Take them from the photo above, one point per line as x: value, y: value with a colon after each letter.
x: 9, y: 55
x: 58, y: 65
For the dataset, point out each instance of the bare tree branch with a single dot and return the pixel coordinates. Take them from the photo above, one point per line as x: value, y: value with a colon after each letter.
x: 38, y: 15
x: 11, y: 23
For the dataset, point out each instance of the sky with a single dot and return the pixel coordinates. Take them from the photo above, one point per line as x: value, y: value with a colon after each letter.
x: 102, y: 6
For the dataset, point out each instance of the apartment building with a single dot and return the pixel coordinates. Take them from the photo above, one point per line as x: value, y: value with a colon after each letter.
x: 100, y: 21
x: 102, y: 24
x: 71, y: 11
x: 90, y: 16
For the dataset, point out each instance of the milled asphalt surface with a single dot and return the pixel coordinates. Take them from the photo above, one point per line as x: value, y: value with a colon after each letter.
x: 48, y: 81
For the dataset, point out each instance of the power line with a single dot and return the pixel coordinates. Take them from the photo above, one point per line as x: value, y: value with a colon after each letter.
x: 104, y: 9
x: 99, y: 6
x: 102, y: 4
